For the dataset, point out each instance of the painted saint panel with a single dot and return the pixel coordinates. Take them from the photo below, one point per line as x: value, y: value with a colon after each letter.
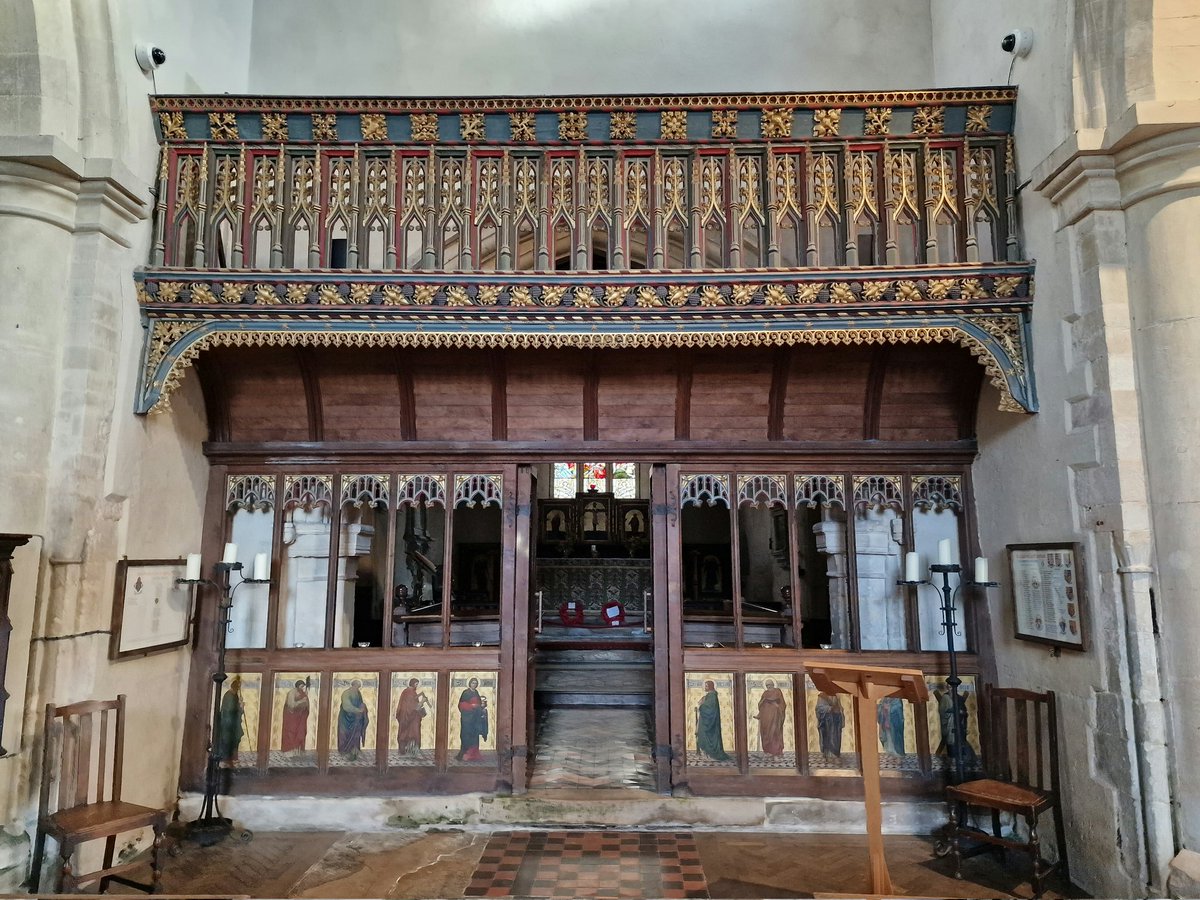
x: 897, y: 736
x: 473, y: 718
x: 294, y: 706
x: 832, y: 747
x: 711, y: 737
x: 352, y: 718
x: 770, y: 721
x: 412, y: 733
x: 941, y: 721
x: 236, y: 742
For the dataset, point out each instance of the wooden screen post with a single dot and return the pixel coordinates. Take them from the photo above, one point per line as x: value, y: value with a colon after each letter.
x: 868, y: 685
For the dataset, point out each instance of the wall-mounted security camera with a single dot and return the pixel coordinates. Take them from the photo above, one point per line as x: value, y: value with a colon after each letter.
x: 1019, y: 42
x: 149, y: 57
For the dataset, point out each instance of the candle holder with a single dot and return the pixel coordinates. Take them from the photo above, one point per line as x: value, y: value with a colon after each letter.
x: 210, y: 827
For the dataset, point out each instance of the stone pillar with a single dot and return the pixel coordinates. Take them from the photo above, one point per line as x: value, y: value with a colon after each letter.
x: 831, y: 542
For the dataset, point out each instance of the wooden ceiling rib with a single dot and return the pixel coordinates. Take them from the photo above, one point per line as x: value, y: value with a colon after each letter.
x: 334, y: 396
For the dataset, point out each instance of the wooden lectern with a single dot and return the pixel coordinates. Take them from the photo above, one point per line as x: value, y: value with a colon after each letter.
x: 869, y: 684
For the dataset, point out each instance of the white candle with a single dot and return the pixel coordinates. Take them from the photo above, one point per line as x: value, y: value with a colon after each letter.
x: 230, y: 554
x: 944, y: 558
x: 192, y: 573
x: 981, y: 572
x: 262, y: 567
x: 912, y: 567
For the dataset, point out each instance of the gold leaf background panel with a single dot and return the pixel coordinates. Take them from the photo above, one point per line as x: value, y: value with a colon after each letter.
x: 835, y: 753
x: 695, y: 692
x: 296, y: 697
x: 343, y: 685
x: 770, y: 736
x: 459, y: 683
x: 250, y: 692
x: 937, y: 710
x: 426, y: 699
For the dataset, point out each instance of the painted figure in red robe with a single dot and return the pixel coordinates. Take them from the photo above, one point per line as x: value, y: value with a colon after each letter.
x: 295, y: 718
x: 410, y: 711
x: 772, y: 715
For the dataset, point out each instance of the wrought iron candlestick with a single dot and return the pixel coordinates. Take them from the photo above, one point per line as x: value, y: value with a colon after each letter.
x: 950, y: 629
x: 210, y: 827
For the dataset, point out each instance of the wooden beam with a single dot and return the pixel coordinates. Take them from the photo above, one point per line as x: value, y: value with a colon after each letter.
x: 499, y: 368
x: 591, y: 399
x: 781, y: 370
x: 408, y: 403
x: 874, y: 396
x: 683, y: 396
x: 312, y: 393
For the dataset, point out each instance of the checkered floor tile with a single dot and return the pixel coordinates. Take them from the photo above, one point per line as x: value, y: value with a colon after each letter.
x: 604, y: 865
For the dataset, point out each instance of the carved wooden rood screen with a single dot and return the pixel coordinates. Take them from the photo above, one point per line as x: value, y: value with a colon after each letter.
x: 646, y: 221
x: 779, y: 309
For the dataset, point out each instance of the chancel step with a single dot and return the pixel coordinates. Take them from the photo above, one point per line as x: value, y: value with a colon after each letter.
x: 594, y: 677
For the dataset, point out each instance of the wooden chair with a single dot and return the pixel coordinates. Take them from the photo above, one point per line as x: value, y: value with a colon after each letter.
x: 1021, y: 759
x: 87, y: 803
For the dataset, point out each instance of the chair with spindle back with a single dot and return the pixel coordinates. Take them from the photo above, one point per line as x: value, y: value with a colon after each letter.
x: 87, y: 804
x: 1021, y: 759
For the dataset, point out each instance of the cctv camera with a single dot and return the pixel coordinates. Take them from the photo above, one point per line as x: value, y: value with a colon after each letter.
x: 149, y: 57
x: 1019, y: 42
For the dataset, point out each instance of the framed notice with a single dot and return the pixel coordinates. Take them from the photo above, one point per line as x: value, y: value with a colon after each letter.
x: 150, y: 611
x: 1048, y: 591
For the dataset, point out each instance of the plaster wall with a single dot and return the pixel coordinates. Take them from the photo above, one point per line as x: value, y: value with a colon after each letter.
x: 90, y: 480
x: 490, y: 47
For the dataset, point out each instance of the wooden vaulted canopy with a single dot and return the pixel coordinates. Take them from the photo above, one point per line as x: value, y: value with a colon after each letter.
x: 548, y: 398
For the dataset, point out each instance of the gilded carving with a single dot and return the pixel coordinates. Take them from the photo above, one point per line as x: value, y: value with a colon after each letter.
x: 424, y: 293
x: 742, y: 294
x: 826, y: 122
x: 874, y: 291
x: 775, y: 295
x: 201, y: 294
x: 572, y: 125
x: 908, y: 292
x: 1005, y: 285
x: 929, y: 120
x: 264, y: 295
x: 787, y: 185
x: 647, y: 297
x: 712, y: 189
x: 597, y: 188
x: 274, y: 126
x: 520, y: 296
x: 824, y: 181
x: 520, y: 124
x: 674, y: 189
x: 777, y: 123
x: 877, y: 120
x: 231, y: 292
x: 171, y: 124
x: 361, y: 293
x: 710, y: 295
x: 808, y: 292
x: 1007, y: 330
x: 552, y: 295
x: 678, y: 294
x: 978, y: 118
x: 470, y: 126
x: 456, y: 295
x: 724, y: 123
x: 981, y: 184
x: 940, y: 288
x: 324, y: 127
x: 622, y: 126
x: 637, y: 190
x: 328, y: 295
x: 902, y: 182
x: 374, y: 126
x: 614, y: 295
x: 169, y: 291
x: 971, y: 289
x: 296, y: 294
x: 860, y: 182
x: 488, y: 294
x: 840, y: 292
x: 167, y: 334
x: 585, y: 297
x: 424, y: 126
x: 223, y: 126
x: 393, y: 296
x: 673, y: 125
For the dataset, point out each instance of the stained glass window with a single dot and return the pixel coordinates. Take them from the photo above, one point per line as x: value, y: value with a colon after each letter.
x: 624, y: 480
x: 595, y: 476
x: 566, y: 479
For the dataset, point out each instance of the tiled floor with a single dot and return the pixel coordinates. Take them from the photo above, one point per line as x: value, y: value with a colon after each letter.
x: 593, y: 748
x: 580, y: 863
x: 606, y: 865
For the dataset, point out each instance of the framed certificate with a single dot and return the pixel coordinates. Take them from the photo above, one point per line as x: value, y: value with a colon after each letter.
x: 1048, y: 593
x: 150, y: 611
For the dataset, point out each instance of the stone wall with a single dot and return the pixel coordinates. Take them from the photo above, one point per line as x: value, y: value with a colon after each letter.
x: 90, y: 480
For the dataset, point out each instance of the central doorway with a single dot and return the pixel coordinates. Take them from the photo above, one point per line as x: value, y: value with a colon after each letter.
x: 592, y: 640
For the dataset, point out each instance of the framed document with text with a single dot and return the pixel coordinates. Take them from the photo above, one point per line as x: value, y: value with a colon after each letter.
x: 150, y: 611
x: 1048, y: 593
